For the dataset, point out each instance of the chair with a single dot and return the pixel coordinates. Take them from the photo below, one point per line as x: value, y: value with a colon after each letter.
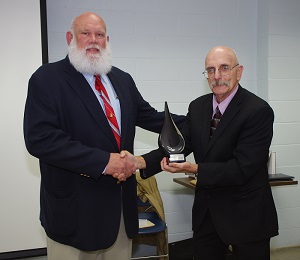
x: 151, y: 242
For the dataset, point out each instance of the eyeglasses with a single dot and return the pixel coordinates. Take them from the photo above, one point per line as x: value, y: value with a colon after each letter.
x: 224, y: 70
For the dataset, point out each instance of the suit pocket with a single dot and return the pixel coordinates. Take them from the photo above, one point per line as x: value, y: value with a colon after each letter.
x: 60, y: 212
x: 248, y: 194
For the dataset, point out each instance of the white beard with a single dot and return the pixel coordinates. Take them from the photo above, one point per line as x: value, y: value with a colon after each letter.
x: 94, y: 64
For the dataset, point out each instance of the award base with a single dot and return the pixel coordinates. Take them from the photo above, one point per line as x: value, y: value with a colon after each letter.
x: 176, y: 158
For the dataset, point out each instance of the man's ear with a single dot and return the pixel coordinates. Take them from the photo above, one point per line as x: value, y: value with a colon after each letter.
x: 240, y: 72
x: 69, y: 37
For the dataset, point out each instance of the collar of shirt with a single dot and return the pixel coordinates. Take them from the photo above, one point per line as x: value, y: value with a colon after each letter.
x: 224, y: 104
x: 105, y: 81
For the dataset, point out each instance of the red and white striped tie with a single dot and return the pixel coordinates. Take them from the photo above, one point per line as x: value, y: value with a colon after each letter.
x: 109, y: 111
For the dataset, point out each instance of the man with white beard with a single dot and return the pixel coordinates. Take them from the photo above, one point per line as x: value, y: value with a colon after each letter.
x: 88, y: 191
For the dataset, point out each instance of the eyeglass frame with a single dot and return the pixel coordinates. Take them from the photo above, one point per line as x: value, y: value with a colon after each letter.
x: 206, y: 72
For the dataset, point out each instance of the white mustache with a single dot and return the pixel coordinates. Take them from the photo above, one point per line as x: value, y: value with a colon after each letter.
x: 220, y: 83
x: 93, y: 46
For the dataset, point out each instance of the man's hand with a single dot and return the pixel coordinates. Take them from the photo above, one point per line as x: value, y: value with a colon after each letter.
x: 137, y: 161
x: 121, y: 167
x: 178, y: 167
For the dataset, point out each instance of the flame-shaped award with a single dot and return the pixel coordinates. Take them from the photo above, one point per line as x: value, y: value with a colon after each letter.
x: 170, y: 139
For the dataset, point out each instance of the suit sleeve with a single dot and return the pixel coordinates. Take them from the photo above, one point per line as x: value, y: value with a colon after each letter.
x: 152, y: 160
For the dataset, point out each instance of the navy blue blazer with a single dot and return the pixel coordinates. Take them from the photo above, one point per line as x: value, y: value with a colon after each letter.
x: 232, y: 179
x: 66, y: 128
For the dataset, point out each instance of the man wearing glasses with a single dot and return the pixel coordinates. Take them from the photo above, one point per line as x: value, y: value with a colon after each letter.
x: 229, y: 132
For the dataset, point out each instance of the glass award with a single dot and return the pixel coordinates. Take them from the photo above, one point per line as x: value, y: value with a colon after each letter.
x: 171, y: 140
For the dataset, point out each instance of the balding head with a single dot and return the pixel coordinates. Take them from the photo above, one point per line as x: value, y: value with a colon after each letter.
x: 87, y: 17
x: 88, y: 28
x: 223, y: 71
x: 89, y: 50
x: 226, y: 52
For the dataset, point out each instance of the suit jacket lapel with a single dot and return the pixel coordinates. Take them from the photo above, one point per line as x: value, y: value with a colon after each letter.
x: 207, y: 115
x: 231, y: 111
x: 79, y: 84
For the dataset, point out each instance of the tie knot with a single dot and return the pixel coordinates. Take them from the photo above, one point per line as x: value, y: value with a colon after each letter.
x: 97, y: 77
x: 218, y: 114
x: 98, y: 84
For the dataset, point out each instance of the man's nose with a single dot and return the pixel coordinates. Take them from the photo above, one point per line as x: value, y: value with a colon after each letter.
x: 217, y: 74
x: 93, y: 38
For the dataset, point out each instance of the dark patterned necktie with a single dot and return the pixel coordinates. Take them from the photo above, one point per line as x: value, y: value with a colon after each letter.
x: 215, y: 121
x: 109, y: 111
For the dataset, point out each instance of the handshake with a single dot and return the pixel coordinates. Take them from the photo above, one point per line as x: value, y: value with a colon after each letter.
x: 121, y: 166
